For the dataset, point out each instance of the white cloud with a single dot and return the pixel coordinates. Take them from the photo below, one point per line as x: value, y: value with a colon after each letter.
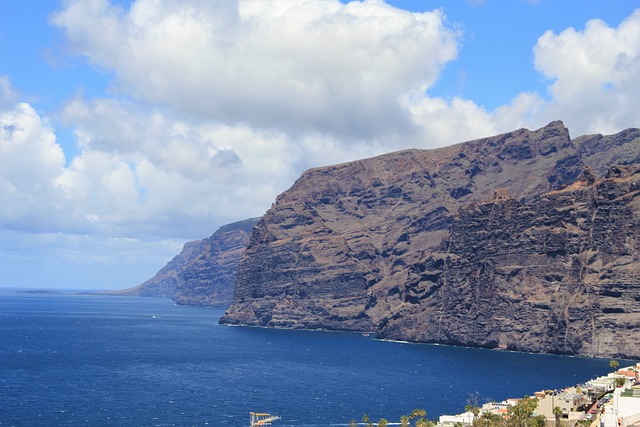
x: 146, y: 171
x: 30, y: 159
x: 595, y: 75
x: 141, y: 173
x: 251, y: 93
x: 219, y: 106
x: 444, y: 123
x: 294, y: 65
x: 141, y: 178
x: 525, y: 110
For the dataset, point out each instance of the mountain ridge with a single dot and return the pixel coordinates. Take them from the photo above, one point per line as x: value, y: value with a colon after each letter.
x: 342, y: 248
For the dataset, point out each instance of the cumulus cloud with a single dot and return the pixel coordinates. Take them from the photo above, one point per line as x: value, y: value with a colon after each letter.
x: 148, y: 170
x: 142, y: 173
x: 524, y: 111
x: 594, y: 82
x: 444, y: 123
x: 141, y: 180
x: 594, y: 74
x: 223, y: 104
x: 216, y: 107
x: 294, y: 65
x: 30, y: 159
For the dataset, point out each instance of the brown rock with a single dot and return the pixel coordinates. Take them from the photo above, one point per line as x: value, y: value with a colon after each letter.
x: 510, y: 242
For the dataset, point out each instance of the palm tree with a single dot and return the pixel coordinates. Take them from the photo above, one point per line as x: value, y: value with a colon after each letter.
x: 614, y: 364
x: 489, y: 419
x: 522, y: 411
x: 557, y: 412
x: 475, y: 410
x: 417, y: 413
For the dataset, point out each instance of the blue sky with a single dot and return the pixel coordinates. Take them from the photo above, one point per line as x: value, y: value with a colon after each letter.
x: 129, y: 128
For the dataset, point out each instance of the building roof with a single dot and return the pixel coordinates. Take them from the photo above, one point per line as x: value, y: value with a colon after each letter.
x: 626, y: 373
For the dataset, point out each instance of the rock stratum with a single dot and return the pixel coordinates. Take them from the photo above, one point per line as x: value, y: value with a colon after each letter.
x: 527, y: 241
x: 204, y: 272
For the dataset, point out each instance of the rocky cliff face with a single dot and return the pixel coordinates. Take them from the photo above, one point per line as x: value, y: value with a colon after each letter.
x: 204, y: 272
x: 560, y: 274
x: 527, y: 241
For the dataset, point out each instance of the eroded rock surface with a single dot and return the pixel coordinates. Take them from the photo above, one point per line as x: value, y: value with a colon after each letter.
x: 527, y: 241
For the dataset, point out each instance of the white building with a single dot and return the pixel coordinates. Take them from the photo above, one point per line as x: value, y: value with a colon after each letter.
x: 569, y: 401
x: 601, y: 385
x: 466, y: 419
x: 626, y: 404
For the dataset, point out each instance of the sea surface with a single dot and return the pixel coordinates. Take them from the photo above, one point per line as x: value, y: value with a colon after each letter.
x: 86, y: 360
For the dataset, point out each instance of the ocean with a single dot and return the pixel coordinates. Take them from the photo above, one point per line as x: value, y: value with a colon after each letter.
x: 87, y: 360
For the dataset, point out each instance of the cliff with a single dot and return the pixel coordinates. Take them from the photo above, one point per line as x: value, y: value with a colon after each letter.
x: 559, y: 275
x: 526, y: 241
x: 204, y: 272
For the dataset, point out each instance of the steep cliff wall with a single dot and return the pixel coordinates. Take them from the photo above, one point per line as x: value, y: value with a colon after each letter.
x: 560, y: 274
x: 204, y: 272
x: 509, y: 241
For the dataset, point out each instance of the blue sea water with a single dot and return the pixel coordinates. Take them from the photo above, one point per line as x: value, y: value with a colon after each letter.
x: 83, y: 360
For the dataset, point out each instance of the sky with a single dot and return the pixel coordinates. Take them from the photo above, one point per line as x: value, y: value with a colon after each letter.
x: 128, y: 128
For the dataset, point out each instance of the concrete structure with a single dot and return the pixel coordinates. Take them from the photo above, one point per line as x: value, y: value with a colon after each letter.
x: 466, y: 419
x: 624, y: 410
x: 601, y: 385
x: 498, y: 408
x: 626, y: 405
x: 608, y: 417
x: 571, y: 402
x: 629, y: 373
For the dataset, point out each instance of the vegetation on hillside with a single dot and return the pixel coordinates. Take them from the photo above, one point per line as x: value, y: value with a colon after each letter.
x: 520, y: 415
x: 416, y: 418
